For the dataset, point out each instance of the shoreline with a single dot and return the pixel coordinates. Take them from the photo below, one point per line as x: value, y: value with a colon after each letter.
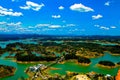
x: 71, y: 60
x: 7, y: 75
x: 11, y: 74
x: 74, y: 60
x: 103, y: 66
x: 92, y: 56
x: 31, y: 62
x: 113, y: 54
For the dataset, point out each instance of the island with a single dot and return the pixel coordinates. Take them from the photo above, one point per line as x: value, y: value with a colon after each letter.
x: 108, y: 64
x: 6, y: 71
x: 48, y: 52
x: 84, y: 61
x: 118, y: 63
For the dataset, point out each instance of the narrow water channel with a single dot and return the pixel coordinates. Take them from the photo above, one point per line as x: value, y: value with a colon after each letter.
x: 73, y: 67
x: 63, y: 68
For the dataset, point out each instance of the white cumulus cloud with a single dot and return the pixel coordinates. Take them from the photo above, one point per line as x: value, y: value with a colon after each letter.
x: 54, y: 26
x: 96, y: 25
x: 47, y: 26
x: 81, y: 8
x: 18, y: 24
x: 42, y: 25
x: 96, y: 16
x: 56, y: 16
x: 61, y: 7
x: 32, y: 5
x: 9, y: 12
x: 107, y: 3
x: 105, y: 28
x: 113, y: 27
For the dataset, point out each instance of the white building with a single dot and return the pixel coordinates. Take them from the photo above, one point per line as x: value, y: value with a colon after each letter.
x: 37, y: 67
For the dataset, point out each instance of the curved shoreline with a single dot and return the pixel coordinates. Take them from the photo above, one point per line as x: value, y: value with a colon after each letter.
x: 10, y: 74
x: 84, y: 64
x: 103, y: 66
x: 100, y: 54
x: 113, y: 54
x: 71, y: 60
x: 74, y: 60
x: 32, y: 62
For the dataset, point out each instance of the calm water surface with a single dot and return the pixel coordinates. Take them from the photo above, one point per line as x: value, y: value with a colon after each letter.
x: 67, y: 66
x: 73, y: 67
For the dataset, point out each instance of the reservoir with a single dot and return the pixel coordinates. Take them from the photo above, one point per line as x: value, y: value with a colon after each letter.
x: 63, y: 68
x: 73, y: 67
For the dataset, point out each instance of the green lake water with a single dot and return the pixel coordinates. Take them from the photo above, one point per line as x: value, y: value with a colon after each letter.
x: 67, y: 66
x: 19, y: 72
x: 24, y: 41
x: 73, y: 67
x: 19, y: 66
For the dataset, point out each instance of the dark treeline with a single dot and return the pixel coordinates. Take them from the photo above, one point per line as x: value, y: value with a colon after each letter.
x: 93, y: 47
x: 73, y: 50
x: 118, y: 63
x: 113, y: 49
x: 2, y: 51
x: 6, y: 71
x: 84, y: 60
x: 79, y: 58
x: 107, y: 63
x: 28, y: 56
x: 89, y: 46
x: 70, y: 56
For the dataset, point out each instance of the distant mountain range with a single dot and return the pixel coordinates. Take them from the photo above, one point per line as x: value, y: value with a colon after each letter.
x: 5, y: 37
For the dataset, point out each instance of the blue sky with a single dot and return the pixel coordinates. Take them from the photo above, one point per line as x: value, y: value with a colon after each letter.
x: 60, y: 17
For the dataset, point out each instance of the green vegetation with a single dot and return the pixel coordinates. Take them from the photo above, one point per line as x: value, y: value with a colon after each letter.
x: 1, y: 51
x: 32, y: 57
x: 6, y: 71
x: 96, y: 76
x: 50, y: 50
x: 118, y: 63
x: 84, y: 60
x: 113, y: 49
x: 107, y: 63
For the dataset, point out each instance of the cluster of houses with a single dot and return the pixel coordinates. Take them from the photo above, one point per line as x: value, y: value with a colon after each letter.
x: 37, y: 67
